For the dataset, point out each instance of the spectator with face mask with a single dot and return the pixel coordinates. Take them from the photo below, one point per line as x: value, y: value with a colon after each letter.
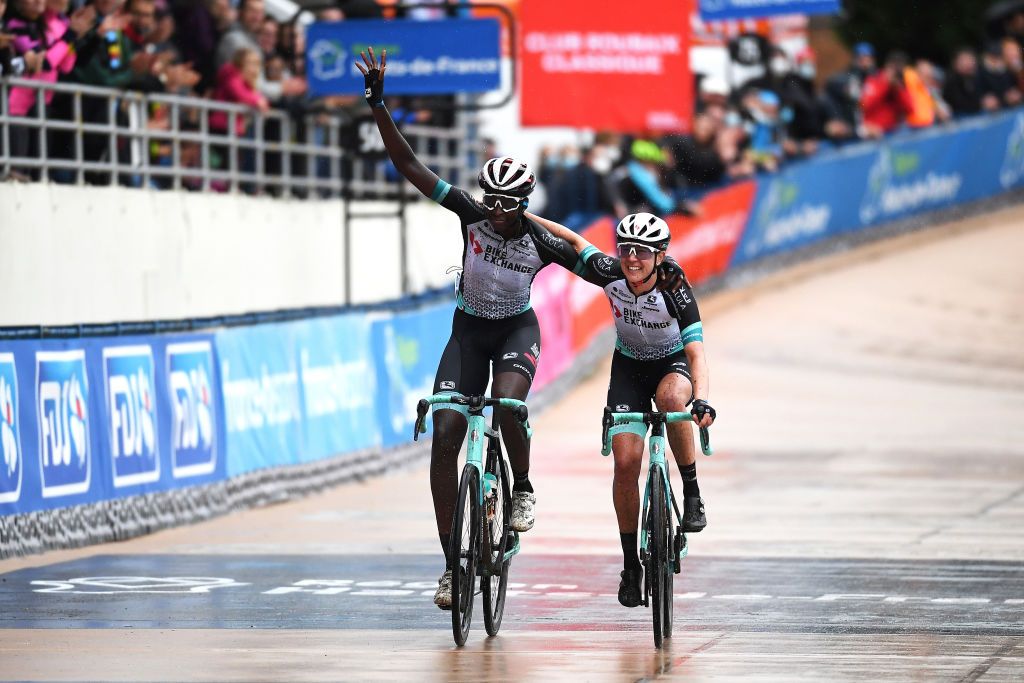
x: 765, y: 134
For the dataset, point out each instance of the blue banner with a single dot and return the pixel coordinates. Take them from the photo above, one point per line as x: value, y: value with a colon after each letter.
x: 424, y: 57
x: 87, y: 420
x: 715, y: 10
x: 408, y: 349
x: 902, y: 176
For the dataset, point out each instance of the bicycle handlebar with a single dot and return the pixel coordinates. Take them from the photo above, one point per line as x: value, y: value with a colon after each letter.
x: 519, y: 409
x: 612, y: 419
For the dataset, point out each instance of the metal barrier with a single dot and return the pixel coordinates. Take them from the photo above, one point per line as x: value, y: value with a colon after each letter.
x: 110, y: 136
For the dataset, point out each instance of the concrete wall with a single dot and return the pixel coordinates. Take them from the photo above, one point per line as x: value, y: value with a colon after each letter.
x: 90, y: 255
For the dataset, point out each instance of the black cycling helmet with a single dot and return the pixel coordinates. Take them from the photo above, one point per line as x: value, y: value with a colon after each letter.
x: 505, y: 175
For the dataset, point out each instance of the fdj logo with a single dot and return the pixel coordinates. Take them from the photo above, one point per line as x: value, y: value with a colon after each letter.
x: 128, y: 373
x: 193, y: 447
x: 62, y: 410
x: 10, y: 434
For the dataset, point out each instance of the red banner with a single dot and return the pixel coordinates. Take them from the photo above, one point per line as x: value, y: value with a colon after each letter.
x: 606, y: 65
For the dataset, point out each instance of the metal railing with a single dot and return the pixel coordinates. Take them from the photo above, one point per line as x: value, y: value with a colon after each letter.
x: 100, y: 136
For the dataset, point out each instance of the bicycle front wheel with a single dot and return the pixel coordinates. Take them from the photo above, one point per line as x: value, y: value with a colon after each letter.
x: 657, y: 556
x: 496, y: 520
x: 668, y: 567
x: 465, y: 541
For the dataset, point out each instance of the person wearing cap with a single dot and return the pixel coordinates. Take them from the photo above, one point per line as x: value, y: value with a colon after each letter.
x: 843, y: 90
x: 765, y: 133
x: 639, y: 184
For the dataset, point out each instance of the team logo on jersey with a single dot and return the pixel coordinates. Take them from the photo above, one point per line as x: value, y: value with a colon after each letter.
x: 652, y: 299
x: 510, y: 355
x: 447, y: 385
x: 617, y: 310
x: 535, y: 349
x: 477, y: 248
x: 10, y: 432
x: 622, y: 408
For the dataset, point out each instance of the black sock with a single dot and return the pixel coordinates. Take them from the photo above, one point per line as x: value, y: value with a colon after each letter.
x: 630, y: 558
x: 445, y: 542
x: 690, y: 488
x: 521, y: 482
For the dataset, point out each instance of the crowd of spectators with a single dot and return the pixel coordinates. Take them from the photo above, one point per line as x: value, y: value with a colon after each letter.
x: 223, y: 50
x: 785, y: 113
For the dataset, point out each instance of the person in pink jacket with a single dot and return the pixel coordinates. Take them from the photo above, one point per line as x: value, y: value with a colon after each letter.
x: 237, y: 82
x: 44, y: 37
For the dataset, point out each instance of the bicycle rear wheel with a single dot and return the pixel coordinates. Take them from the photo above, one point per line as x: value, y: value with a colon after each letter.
x: 656, y: 551
x: 496, y: 518
x: 465, y: 542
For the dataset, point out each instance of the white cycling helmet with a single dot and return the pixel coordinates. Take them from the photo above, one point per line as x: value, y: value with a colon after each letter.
x: 505, y: 175
x: 643, y: 228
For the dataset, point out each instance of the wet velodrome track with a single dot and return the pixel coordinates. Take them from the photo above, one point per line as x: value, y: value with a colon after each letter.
x: 866, y: 508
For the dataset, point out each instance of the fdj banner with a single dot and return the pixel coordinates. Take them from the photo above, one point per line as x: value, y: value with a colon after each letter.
x: 424, y: 57
x: 712, y: 10
x: 606, y: 65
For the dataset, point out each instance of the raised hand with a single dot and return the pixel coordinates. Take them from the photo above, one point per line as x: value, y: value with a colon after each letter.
x: 373, y: 76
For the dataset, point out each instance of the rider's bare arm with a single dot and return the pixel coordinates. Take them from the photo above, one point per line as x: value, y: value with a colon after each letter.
x: 398, y: 148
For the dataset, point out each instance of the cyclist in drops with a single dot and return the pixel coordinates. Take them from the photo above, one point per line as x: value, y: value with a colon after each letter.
x: 659, y: 354
x: 493, y: 323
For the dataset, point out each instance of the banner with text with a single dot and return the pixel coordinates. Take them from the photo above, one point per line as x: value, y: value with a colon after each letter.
x: 606, y: 65
x: 439, y: 57
x: 716, y: 10
x: 86, y: 420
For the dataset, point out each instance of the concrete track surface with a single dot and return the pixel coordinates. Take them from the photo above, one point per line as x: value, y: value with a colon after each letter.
x: 865, y: 506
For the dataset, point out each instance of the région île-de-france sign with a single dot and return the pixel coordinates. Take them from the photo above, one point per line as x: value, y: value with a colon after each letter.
x: 424, y: 57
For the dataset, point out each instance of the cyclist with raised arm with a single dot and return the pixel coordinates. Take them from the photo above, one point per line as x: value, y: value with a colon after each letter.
x: 493, y: 323
x: 659, y: 354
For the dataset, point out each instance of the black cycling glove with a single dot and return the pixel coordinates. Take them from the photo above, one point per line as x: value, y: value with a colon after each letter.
x: 374, y: 88
x: 671, y: 276
x: 702, y: 408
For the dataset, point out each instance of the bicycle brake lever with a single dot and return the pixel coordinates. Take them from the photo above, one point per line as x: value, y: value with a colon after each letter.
x: 421, y: 414
x: 606, y: 424
x: 705, y: 441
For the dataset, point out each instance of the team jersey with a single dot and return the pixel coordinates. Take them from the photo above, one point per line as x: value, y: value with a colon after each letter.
x: 652, y: 325
x: 496, y: 272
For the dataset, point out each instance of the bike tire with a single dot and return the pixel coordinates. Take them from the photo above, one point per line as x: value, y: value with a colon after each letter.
x: 656, y: 552
x: 465, y: 544
x: 668, y: 568
x: 496, y: 524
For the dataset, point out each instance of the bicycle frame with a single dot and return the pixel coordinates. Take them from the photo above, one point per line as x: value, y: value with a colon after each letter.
x: 477, y: 431
x: 656, y: 456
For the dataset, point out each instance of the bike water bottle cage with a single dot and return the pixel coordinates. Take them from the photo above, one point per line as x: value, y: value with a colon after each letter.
x: 503, y: 202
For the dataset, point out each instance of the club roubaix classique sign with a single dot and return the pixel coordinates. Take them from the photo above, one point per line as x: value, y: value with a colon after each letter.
x: 606, y: 65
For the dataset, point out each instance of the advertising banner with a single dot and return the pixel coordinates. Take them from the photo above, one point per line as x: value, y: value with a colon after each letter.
x: 713, y: 10
x: 407, y: 348
x: 704, y: 245
x: 554, y: 314
x: 87, y: 420
x: 424, y: 57
x: 262, y: 409
x: 606, y: 65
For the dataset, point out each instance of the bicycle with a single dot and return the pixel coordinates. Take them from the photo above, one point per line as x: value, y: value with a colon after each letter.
x: 661, y: 550
x: 482, y: 542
